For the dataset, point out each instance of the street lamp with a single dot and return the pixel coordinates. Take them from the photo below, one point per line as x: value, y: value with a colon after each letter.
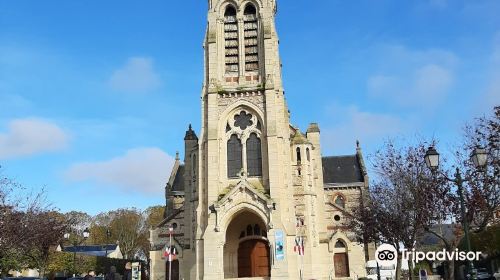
x: 76, y: 242
x: 108, y: 235
x: 478, y: 158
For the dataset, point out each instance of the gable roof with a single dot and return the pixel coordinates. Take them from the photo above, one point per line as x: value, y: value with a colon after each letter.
x: 169, y: 217
x: 342, y: 169
x: 178, y: 184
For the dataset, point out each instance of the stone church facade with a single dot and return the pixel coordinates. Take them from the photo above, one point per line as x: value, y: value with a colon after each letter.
x: 251, y: 186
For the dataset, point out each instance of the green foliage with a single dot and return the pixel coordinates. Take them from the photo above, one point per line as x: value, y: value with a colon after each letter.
x: 11, y: 260
x: 487, y: 241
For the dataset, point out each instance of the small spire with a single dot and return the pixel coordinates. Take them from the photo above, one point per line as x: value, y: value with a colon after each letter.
x: 357, y: 144
x: 190, y: 134
x: 177, y: 156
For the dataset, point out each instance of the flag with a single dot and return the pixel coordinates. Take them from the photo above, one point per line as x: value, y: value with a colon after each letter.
x: 166, y: 253
x: 296, y: 246
x: 170, y: 253
x: 299, y: 245
x: 173, y: 254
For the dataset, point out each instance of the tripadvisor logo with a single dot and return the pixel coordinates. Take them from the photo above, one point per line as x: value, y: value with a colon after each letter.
x: 387, y: 255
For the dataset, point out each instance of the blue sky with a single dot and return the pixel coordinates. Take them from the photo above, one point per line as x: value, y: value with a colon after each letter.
x: 95, y: 96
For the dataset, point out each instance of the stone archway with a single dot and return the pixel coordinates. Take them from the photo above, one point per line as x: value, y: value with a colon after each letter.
x: 246, y: 250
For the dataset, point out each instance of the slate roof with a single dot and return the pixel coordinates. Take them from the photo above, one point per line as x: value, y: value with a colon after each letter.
x: 178, y: 184
x: 93, y: 250
x: 342, y: 169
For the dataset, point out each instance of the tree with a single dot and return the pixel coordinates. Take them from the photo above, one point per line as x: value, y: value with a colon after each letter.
x: 404, y: 199
x: 29, y: 225
x: 154, y: 215
x: 482, y: 190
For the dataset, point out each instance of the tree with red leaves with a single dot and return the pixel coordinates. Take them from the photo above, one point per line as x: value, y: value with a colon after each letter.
x: 29, y: 228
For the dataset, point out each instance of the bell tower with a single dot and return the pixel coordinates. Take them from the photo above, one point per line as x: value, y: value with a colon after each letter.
x: 241, y: 45
x: 245, y: 135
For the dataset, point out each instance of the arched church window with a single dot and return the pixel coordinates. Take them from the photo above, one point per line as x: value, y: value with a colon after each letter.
x: 251, y: 38
x: 256, y: 230
x: 193, y: 165
x: 254, y: 156
x: 234, y: 157
x: 340, y: 201
x: 243, y: 120
x: 231, y: 40
x: 340, y: 244
x: 308, y: 155
x: 298, y: 155
x: 249, y: 230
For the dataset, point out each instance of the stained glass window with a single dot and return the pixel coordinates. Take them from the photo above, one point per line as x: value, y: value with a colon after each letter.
x: 234, y: 157
x: 243, y: 120
x: 254, y: 156
x: 339, y: 200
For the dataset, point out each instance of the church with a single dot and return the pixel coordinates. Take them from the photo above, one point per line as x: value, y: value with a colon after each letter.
x: 253, y: 197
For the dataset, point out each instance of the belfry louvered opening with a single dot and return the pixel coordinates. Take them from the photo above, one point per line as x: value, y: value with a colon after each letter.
x: 251, y: 27
x: 231, y: 40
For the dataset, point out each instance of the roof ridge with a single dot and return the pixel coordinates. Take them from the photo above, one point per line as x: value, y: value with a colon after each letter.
x: 349, y: 155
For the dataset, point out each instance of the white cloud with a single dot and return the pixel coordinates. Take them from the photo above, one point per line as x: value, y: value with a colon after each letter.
x: 413, y: 78
x: 139, y: 170
x: 137, y: 75
x: 368, y: 127
x: 31, y: 136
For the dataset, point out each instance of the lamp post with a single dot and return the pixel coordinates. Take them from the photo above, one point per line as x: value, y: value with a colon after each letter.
x: 478, y: 158
x: 170, y: 232
x: 108, y: 235
x: 76, y: 242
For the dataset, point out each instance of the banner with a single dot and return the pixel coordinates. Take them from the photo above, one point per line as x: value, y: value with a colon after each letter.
x: 279, y: 245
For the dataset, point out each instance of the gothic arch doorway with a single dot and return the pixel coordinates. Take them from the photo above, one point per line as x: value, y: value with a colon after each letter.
x: 341, y: 259
x: 246, y: 250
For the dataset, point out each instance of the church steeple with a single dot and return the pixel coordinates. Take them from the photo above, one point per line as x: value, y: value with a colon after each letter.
x: 241, y: 47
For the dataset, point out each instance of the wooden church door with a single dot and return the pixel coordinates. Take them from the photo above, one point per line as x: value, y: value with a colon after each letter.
x: 253, y: 259
x: 341, y: 263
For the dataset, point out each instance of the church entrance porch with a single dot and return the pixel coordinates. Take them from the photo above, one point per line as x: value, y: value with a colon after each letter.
x: 246, y: 250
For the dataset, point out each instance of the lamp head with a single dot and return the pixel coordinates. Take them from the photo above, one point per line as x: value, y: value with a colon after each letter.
x: 432, y: 158
x: 479, y: 157
x: 86, y: 233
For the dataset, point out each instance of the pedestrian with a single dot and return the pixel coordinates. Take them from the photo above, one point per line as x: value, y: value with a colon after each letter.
x: 128, y: 271
x: 112, y: 274
x: 90, y: 275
